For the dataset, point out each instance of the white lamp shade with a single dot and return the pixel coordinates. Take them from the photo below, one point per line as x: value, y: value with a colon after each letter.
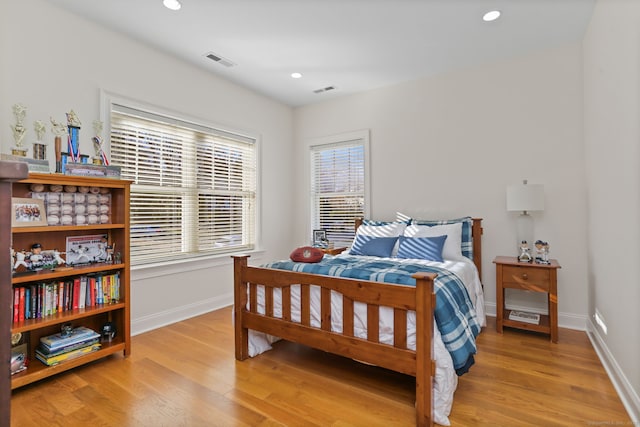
x: 525, y: 197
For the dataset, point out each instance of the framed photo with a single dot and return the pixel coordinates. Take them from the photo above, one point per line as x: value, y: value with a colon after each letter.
x: 27, y: 212
x: 87, y: 249
x: 319, y: 237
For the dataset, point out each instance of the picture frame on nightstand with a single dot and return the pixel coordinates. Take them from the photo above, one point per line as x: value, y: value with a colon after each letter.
x: 320, y: 238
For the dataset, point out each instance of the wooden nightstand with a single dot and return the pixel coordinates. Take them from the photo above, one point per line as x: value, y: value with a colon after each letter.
x: 334, y: 251
x: 530, y: 277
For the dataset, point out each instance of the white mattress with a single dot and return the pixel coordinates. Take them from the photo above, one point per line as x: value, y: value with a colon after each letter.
x: 445, y: 381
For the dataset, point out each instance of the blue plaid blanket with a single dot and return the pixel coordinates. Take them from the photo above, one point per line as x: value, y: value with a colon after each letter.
x: 454, y: 312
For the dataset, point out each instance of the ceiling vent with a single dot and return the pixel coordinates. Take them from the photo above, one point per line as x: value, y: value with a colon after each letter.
x: 220, y: 60
x: 324, y: 89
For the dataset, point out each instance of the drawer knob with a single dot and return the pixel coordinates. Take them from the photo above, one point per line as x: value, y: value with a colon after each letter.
x: 525, y: 276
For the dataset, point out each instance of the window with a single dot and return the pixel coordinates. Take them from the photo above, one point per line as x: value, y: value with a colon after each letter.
x: 339, y: 185
x: 193, y: 190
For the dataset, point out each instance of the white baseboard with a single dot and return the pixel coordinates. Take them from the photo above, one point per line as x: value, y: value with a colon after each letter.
x: 176, y: 314
x: 627, y: 394
x: 565, y: 320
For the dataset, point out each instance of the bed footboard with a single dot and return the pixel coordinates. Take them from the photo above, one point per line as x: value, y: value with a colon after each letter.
x: 401, y: 299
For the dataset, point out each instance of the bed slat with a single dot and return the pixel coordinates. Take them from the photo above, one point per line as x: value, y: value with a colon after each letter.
x: 268, y: 301
x: 305, y: 305
x: 286, y: 303
x: 347, y: 316
x: 325, y: 309
x: 373, y: 323
x: 399, y: 328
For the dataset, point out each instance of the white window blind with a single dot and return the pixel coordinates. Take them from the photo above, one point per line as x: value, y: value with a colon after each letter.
x: 194, y: 187
x: 338, y: 188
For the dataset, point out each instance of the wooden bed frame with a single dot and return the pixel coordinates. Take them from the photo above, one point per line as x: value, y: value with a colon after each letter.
x: 397, y: 357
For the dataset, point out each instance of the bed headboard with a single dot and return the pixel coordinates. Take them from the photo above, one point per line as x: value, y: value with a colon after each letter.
x: 476, y: 236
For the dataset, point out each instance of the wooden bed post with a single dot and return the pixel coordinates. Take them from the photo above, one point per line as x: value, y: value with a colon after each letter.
x: 425, y: 365
x: 239, y: 304
x: 476, y: 232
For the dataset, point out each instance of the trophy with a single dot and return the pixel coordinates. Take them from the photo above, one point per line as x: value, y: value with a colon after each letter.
x: 39, y: 149
x: 73, y: 127
x: 19, y: 111
x: 58, y: 129
x: 98, y: 144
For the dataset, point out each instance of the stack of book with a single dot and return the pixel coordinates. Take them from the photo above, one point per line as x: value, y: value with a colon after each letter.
x: 60, y: 347
x: 525, y: 316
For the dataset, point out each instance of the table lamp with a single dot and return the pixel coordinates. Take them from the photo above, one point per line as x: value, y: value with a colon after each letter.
x: 525, y: 198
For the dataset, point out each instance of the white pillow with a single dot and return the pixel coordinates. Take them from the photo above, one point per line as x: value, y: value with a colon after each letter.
x: 452, y: 249
x: 392, y: 229
x: 387, y: 230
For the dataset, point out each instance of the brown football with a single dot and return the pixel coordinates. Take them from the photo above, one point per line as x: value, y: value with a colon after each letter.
x: 306, y: 254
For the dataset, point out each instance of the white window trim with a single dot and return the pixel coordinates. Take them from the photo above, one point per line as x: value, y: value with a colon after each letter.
x: 107, y: 98
x: 336, y: 139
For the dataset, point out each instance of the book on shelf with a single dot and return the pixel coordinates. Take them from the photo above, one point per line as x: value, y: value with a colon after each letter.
x: 40, y: 300
x: 524, y: 316
x: 45, y: 352
x: 57, y: 341
x: 53, y: 360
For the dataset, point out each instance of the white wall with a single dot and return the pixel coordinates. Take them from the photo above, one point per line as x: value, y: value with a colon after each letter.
x: 449, y: 145
x: 612, y: 141
x: 53, y: 61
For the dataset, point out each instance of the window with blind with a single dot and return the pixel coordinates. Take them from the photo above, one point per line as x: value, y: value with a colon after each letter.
x: 193, y: 190
x: 338, y: 187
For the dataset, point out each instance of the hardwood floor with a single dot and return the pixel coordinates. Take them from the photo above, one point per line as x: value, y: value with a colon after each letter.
x: 185, y: 375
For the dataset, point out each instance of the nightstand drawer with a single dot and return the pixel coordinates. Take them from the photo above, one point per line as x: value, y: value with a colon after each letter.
x: 524, y: 277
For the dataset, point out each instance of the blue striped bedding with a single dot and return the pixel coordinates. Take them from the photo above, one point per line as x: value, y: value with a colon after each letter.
x: 454, y: 312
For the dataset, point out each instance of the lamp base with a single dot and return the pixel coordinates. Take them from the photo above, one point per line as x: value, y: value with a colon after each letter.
x: 524, y: 230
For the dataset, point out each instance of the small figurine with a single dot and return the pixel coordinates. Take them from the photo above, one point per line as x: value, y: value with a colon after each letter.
x: 73, y: 120
x: 57, y: 258
x: 20, y: 260
x: 58, y: 128
x: 36, y: 253
x: 542, y: 252
x: 110, y: 249
x: 40, y: 129
x: 525, y: 252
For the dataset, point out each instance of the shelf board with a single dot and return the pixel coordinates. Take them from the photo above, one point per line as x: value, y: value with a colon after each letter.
x: 50, y: 228
x: 38, y: 370
x: 91, y: 181
x: 43, y: 275
x: 64, y: 316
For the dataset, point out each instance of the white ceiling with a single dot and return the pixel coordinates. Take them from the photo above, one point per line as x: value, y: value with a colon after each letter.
x: 353, y: 45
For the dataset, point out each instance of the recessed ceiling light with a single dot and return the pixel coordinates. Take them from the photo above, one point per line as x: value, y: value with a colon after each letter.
x: 491, y: 16
x: 296, y: 75
x: 172, y: 4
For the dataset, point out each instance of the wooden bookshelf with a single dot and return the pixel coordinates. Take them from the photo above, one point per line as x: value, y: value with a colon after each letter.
x: 54, y: 236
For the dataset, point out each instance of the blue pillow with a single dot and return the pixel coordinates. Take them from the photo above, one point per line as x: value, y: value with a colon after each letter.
x: 429, y: 248
x: 373, y: 246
